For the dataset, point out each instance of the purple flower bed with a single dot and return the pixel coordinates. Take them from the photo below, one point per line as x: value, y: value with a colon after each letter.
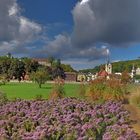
x: 64, y: 119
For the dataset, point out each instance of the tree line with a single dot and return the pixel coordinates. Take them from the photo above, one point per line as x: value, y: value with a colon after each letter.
x: 18, y: 68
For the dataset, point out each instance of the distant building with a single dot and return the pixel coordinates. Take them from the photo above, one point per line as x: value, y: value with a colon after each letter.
x: 102, y: 74
x: 133, y: 72
x: 70, y: 76
x: 91, y: 76
x: 108, y: 68
x: 138, y: 71
x: 42, y: 61
x: 81, y: 77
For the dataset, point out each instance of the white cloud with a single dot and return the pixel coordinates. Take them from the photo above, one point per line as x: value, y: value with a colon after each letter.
x: 84, y: 1
x: 15, y: 29
x: 115, y: 22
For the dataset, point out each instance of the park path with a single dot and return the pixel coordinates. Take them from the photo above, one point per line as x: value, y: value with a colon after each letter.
x: 134, y: 114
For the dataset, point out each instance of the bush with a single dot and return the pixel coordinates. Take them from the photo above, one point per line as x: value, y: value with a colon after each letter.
x: 101, y: 89
x: 58, y: 89
x: 39, y: 97
x: 3, y: 98
x: 82, y: 90
x: 40, y: 77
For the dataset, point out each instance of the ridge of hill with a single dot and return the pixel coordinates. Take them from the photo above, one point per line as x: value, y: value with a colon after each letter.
x: 119, y: 66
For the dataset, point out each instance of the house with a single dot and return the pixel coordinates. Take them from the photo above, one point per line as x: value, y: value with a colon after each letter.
x: 42, y: 61
x: 81, y: 77
x: 70, y: 76
x: 91, y: 76
x: 138, y: 71
x: 102, y: 74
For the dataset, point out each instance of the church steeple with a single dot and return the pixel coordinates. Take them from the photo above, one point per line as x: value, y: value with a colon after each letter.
x: 108, y: 66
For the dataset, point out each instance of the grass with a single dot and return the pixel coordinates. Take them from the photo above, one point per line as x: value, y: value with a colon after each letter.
x: 135, y: 96
x: 31, y: 90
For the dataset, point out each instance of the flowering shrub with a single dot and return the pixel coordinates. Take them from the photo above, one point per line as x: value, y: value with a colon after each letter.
x: 106, y: 90
x: 64, y: 119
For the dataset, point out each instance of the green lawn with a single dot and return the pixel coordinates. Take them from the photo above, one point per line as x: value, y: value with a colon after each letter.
x: 30, y: 90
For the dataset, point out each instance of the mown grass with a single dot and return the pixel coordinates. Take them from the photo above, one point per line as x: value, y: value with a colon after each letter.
x: 31, y: 90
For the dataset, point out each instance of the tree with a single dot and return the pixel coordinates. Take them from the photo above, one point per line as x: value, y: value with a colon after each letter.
x: 40, y: 77
x: 57, y: 70
x: 51, y: 60
x: 125, y: 78
x: 30, y: 65
x: 67, y: 68
x: 17, y: 69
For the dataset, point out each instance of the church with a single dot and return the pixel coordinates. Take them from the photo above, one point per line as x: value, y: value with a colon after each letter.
x: 108, y: 67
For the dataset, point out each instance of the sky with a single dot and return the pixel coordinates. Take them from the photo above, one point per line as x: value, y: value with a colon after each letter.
x: 79, y: 32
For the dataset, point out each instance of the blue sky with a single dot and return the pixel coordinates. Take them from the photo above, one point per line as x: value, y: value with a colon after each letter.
x: 77, y: 32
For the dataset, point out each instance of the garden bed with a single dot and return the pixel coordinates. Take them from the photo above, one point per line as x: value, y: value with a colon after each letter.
x: 67, y: 118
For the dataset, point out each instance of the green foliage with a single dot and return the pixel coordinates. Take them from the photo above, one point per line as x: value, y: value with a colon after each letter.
x: 82, y: 90
x: 51, y: 60
x: 38, y: 97
x: 67, y: 68
x: 117, y: 66
x: 30, y: 65
x: 3, y: 79
x: 58, y: 89
x: 14, y: 67
x: 137, y: 77
x: 40, y: 77
x: 3, y: 98
x: 17, y: 69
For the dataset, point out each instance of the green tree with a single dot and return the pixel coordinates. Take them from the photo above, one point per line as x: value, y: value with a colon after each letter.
x: 57, y: 70
x: 30, y: 65
x: 40, y: 77
x: 51, y: 60
x: 17, y: 69
x: 67, y: 68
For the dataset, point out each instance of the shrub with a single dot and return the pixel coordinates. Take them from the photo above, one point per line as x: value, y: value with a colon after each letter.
x: 3, y: 98
x: 39, y: 97
x: 101, y: 89
x: 82, y: 90
x: 58, y: 89
x: 40, y: 77
x: 95, y: 89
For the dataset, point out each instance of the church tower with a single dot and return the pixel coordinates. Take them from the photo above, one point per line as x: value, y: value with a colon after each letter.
x: 133, y: 71
x: 108, y: 66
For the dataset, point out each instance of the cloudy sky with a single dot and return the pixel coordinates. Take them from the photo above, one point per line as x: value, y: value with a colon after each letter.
x: 79, y: 32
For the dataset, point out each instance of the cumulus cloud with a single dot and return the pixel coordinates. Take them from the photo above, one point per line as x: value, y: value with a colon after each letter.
x: 15, y: 29
x: 111, y: 22
x: 116, y: 22
x: 61, y: 47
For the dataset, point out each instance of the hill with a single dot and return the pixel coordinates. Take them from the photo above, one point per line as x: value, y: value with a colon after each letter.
x: 116, y: 66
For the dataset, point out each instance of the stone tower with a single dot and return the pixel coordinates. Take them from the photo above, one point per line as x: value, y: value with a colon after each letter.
x: 108, y: 66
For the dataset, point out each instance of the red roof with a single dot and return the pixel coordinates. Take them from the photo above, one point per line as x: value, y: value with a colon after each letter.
x: 103, y: 73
